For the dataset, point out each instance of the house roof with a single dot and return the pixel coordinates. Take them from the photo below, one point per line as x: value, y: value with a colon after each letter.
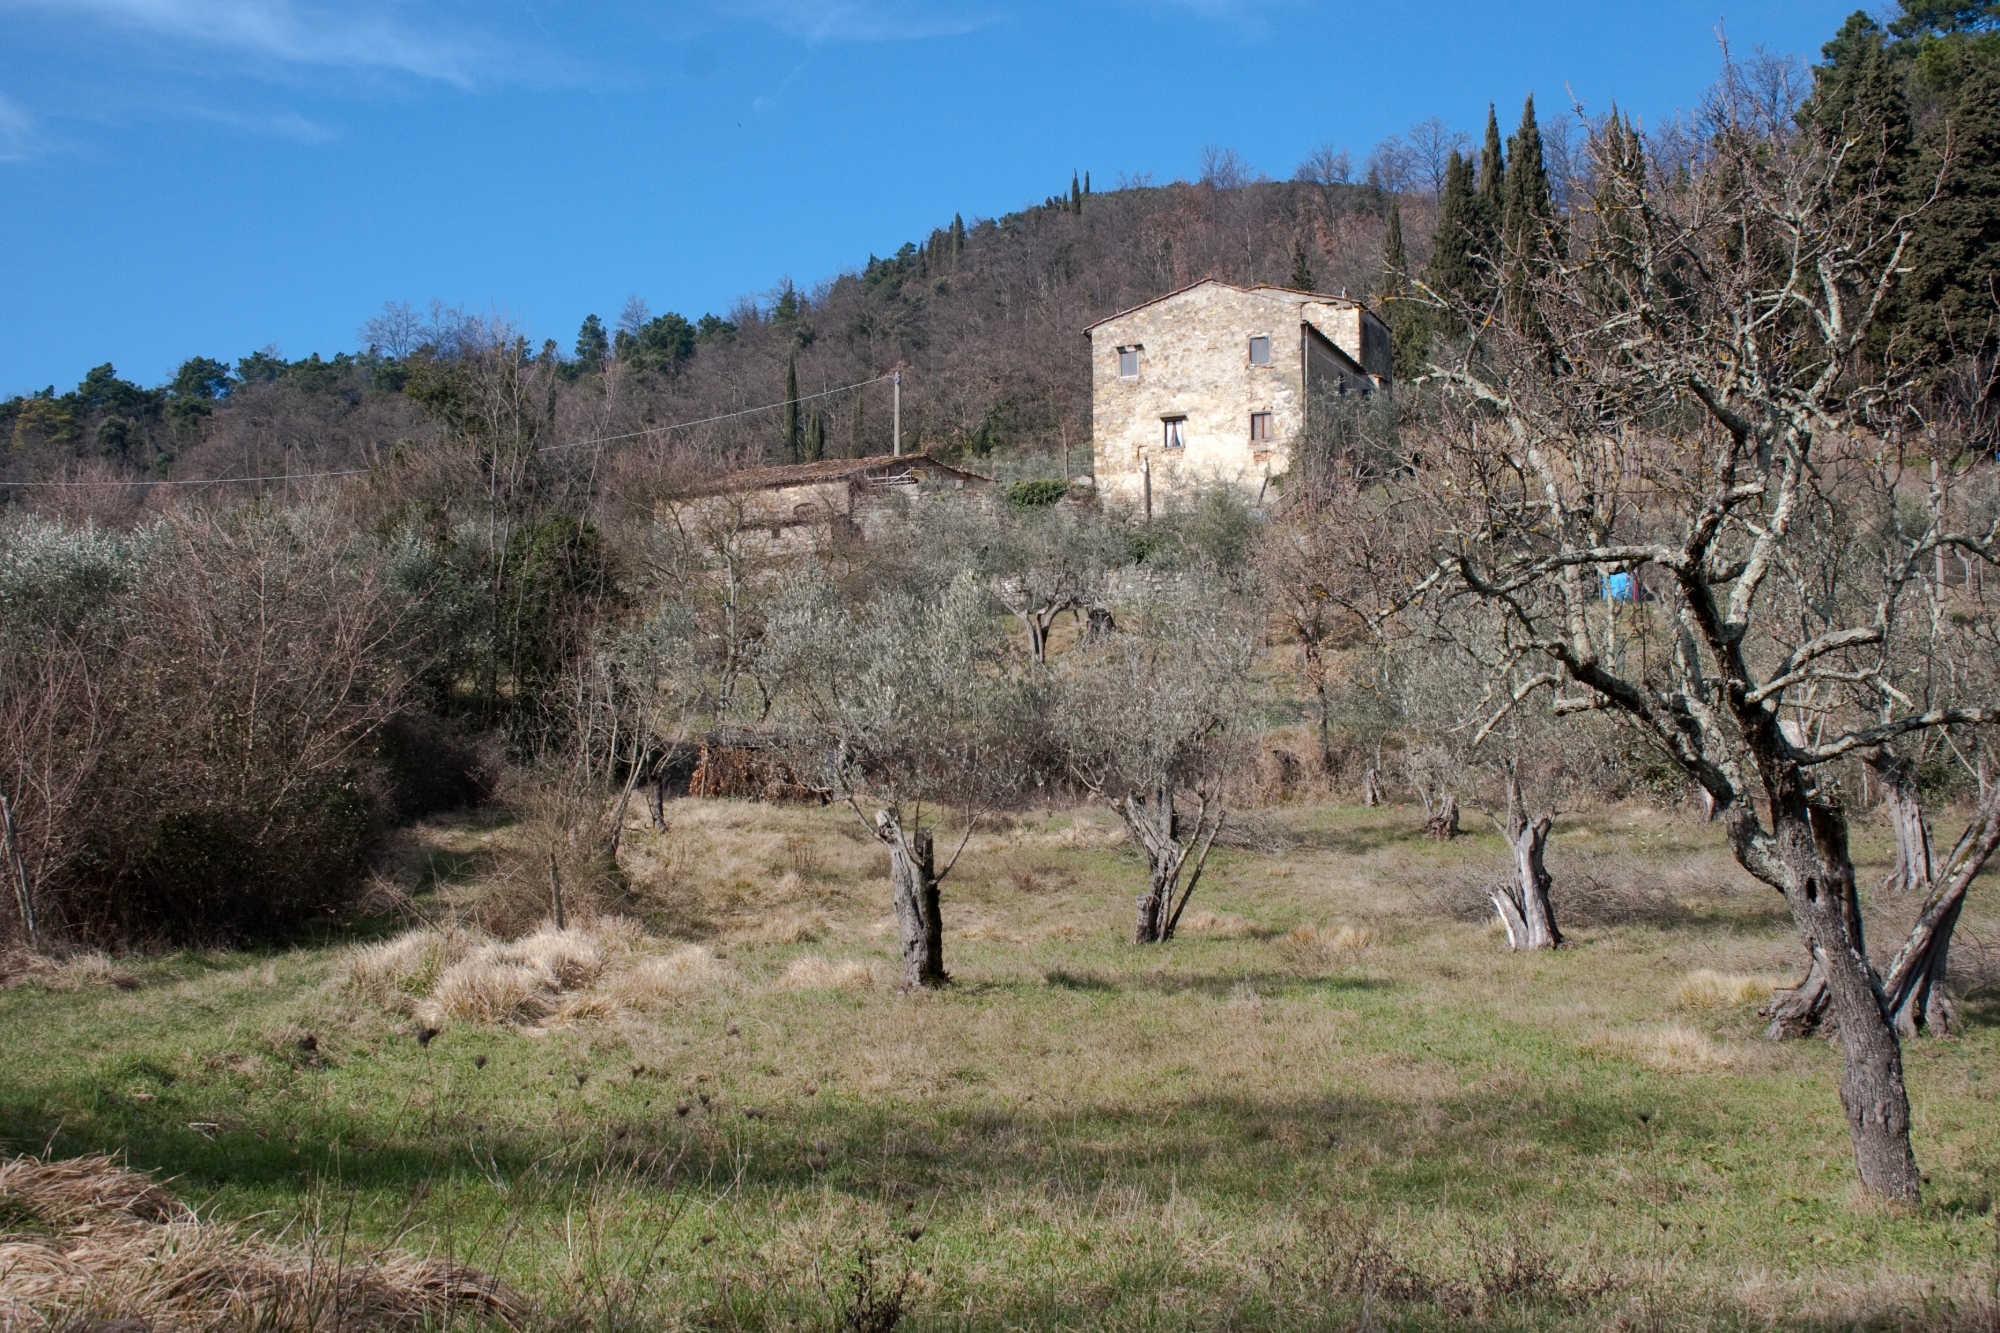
x: 1291, y: 295
x: 878, y: 469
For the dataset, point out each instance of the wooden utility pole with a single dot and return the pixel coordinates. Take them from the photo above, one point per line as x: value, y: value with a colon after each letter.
x: 896, y: 418
x: 555, y: 888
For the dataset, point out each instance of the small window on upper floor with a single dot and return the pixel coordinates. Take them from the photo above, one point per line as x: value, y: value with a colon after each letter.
x: 1128, y: 363
x: 1260, y: 351
x: 1260, y: 425
x: 1173, y: 433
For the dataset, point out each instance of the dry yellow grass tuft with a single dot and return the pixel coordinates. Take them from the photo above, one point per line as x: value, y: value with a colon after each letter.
x: 1674, y: 1047
x: 786, y: 927
x: 571, y: 958
x: 131, y: 1252
x: 1708, y: 989
x: 1221, y: 927
x: 485, y: 989
x: 88, y: 971
x: 1322, y: 945
x: 686, y: 971
x: 815, y: 973
x: 406, y: 966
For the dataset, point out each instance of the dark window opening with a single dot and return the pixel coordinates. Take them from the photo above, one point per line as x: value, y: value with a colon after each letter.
x: 1260, y: 425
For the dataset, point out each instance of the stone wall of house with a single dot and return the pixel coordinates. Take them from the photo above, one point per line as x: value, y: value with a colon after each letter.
x: 1194, y: 364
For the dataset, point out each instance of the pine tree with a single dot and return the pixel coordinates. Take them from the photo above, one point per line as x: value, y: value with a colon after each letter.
x: 1302, y: 274
x: 1859, y: 105
x: 815, y: 436
x: 1956, y: 265
x: 1455, y: 270
x: 793, y: 442
x: 592, y: 344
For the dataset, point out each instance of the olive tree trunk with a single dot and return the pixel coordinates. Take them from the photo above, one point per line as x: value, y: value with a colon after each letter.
x: 1442, y: 825
x: 1912, y: 872
x: 919, y: 918
x: 1523, y: 902
x: 1917, y: 999
x: 1810, y: 851
x: 1158, y: 832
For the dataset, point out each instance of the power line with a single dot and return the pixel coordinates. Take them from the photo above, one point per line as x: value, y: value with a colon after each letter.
x: 554, y: 448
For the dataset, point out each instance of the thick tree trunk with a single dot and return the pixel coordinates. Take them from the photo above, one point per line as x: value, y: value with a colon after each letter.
x: 1912, y: 871
x: 1810, y: 844
x: 1917, y: 999
x: 1150, y: 819
x: 1442, y: 826
x: 1524, y: 904
x: 1158, y: 831
x: 919, y: 917
x: 1371, y: 788
x: 1798, y: 1012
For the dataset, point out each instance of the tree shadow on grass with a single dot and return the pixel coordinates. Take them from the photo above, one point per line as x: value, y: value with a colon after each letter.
x: 1219, y: 985
x: 887, y: 1148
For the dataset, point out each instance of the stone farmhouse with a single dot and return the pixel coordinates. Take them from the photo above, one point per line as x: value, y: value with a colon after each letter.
x: 1212, y: 383
x: 786, y: 509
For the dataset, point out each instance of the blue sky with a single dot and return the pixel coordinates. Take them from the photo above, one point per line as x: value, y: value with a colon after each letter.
x: 182, y: 177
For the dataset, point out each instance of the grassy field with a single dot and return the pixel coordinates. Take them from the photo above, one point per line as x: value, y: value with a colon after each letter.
x: 1336, y: 1102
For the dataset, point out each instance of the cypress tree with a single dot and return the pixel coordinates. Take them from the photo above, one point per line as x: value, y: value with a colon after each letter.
x: 793, y: 442
x: 1075, y: 194
x: 1302, y: 274
x: 1086, y: 182
x: 856, y: 443
x: 1454, y: 269
x: 1528, y: 222
x: 815, y: 436
x: 1490, y: 205
x: 957, y: 235
x: 1409, y: 323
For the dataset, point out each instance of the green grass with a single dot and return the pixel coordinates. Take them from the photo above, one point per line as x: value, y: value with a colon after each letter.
x: 1218, y: 1132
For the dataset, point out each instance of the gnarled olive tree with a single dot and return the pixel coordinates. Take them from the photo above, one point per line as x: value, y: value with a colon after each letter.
x: 1675, y: 390
x: 895, y: 700
x: 1145, y: 719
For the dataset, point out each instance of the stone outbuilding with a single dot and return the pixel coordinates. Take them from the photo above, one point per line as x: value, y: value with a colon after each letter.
x: 1212, y: 383
x: 790, y: 506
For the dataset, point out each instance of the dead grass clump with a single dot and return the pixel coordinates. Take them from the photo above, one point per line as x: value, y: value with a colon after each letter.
x: 1674, y: 1047
x: 786, y: 927
x: 408, y: 966
x: 86, y: 971
x: 687, y: 971
x: 571, y: 958
x: 1709, y: 989
x: 1326, y: 945
x: 109, y: 1242
x: 1216, y: 926
x: 485, y: 989
x: 816, y: 973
